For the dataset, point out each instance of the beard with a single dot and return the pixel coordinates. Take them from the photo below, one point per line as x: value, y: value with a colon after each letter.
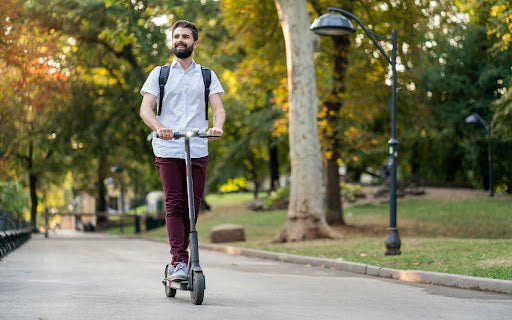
x: 183, y: 53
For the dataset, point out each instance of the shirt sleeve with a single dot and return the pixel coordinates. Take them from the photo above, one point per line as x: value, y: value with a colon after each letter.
x: 215, y: 86
x: 151, y: 84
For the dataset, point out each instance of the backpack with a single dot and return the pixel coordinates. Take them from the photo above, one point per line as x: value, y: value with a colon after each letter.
x: 207, y: 79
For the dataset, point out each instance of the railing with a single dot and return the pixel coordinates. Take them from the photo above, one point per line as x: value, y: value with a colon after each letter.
x: 13, y: 233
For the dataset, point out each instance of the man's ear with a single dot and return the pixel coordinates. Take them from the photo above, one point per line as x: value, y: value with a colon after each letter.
x: 196, y: 43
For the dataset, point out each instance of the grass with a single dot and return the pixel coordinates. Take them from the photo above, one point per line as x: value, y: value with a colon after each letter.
x: 471, y: 237
x: 127, y: 229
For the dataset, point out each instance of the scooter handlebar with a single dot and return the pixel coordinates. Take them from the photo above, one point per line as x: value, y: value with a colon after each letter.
x: 191, y: 134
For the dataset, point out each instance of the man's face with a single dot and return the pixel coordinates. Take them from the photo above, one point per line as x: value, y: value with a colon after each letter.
x: 183, y: 42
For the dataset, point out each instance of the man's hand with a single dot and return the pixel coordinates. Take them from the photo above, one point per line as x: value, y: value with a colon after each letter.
x: 165, y: 133
x: 215, y: 131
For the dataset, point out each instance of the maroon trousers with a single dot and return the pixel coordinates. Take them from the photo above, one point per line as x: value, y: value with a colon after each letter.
x: 174, y: 182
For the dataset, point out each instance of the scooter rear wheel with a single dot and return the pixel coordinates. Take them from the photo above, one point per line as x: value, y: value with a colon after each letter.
x: 198, y: 286
x: 169, y: 292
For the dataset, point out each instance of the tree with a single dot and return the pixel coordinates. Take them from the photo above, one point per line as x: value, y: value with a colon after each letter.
x: 110, y: 52
x: 305, y: 220
x: 330, y: 129
x: 256, y: 60
x: 36, y: 88
x: 464, y: 75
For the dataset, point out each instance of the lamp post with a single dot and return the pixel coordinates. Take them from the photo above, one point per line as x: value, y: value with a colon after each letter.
x: 333, y: 24
x: 119, y: 169
x: 475, y: 118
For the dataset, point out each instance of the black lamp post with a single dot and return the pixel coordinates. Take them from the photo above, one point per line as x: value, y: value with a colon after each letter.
x: 475, y: 118
x: 333, y: 24
x: 119, y: 169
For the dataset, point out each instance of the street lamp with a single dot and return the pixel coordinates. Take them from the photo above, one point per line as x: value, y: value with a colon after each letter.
x: 333, y: 24
x: 475, y: 118
x: 118, y: 169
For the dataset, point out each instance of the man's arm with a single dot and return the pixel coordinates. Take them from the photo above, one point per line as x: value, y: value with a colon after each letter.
x: 148, y: 116
x: 219, y: 115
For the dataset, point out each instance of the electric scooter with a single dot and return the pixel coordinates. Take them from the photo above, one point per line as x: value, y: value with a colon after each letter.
x: 195, y: 282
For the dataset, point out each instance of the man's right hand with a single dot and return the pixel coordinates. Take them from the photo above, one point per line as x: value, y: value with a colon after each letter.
x: 165, y: 133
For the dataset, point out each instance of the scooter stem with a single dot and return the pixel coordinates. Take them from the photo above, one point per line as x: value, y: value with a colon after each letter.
x: 194, y: 252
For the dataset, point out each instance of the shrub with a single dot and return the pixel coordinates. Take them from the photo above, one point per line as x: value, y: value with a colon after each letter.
x: 280, y: 194
x: 349, y: 191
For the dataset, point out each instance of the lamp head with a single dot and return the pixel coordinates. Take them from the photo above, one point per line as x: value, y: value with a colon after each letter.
x: 332, y: 24
x: 471, y: 118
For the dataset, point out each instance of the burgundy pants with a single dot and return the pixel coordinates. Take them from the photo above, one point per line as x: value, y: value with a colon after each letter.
x: 174, y: 181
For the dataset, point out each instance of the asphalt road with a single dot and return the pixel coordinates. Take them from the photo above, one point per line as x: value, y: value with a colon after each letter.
x: 91, y: 276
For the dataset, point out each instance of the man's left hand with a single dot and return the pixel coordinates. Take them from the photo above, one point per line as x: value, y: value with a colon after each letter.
x: 215, y: 131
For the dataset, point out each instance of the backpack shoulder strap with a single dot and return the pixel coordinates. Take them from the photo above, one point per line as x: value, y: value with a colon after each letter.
x: 162, y: 80
x: 207, y: 80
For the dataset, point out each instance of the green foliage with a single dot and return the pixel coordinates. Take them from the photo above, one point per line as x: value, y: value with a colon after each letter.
x: 280, y: 194
x: 463, y: 76
x: 255, y: 68
x: 350, y: 191
x: 13, y: 198
x: 502, y: 119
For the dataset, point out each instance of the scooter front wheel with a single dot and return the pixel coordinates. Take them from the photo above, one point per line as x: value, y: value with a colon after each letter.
x: 198, y: 286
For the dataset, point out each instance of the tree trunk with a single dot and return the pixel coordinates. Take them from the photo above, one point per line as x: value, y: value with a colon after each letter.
x: 273, y: 154
x: 33, y: 186
x: 334, y: 207
x: 254, y: 175
x: 101, y: 204
x: 274, y: 167
x: 305, y: 220
x: 333, y: 133
x: 33, y: 200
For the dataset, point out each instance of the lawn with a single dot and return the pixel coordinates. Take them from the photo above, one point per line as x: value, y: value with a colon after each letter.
x: 470, y: 236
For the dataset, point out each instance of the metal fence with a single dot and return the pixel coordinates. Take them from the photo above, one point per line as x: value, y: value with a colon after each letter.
x: 13, y: 232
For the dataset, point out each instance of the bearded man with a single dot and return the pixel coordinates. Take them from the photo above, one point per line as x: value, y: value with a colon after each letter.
x: 182, y: 107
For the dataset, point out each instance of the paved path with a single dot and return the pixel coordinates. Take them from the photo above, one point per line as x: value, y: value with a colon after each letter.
x: 91, y: 276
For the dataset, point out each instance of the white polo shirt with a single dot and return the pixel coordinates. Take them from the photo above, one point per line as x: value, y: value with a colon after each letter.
x: 183, y: 108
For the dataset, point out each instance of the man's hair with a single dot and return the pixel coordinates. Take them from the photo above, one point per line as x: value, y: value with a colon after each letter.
x: 186, y: 24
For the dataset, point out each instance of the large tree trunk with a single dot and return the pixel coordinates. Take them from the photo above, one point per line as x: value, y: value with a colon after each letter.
x: 305, y: 220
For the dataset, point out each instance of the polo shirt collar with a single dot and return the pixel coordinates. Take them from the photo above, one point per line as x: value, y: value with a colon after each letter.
x: 176, y: 64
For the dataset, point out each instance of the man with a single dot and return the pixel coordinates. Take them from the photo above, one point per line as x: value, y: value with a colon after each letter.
x: 183, y: 107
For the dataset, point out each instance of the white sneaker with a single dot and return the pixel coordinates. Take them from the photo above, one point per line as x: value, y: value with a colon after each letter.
x: 180, y: 272
x: 169, y: 271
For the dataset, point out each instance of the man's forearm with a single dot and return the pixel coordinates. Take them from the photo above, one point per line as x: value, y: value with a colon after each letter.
x: 219, y: 118
x: 147, y: 114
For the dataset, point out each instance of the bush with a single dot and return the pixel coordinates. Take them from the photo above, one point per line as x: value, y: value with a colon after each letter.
x: 234, y: 185
x: 349, y: 191
x: 13, y: 198
x: 280, y: 194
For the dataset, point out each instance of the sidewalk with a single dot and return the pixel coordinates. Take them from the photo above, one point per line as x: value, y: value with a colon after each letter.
x: 427, y: 277
x: 97, y: 276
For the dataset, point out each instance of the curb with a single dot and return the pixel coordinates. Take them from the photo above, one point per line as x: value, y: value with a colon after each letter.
x: 427, y: 277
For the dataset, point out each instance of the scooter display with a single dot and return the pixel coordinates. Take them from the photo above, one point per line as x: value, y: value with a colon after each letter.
x: 195, y: 282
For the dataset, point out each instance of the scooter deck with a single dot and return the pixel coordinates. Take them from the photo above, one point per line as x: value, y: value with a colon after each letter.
x: 180, y: 285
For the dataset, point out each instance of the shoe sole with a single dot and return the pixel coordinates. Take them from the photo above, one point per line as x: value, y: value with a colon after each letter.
x: 178, y: 278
